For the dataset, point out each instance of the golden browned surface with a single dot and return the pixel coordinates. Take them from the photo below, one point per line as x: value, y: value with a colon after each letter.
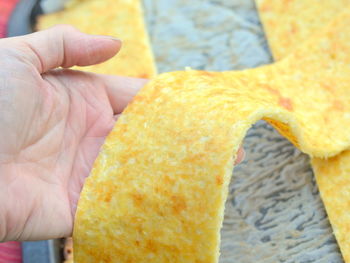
x: 334, y: 183
x: 118, y: 18
x: 288, y: 23
x: 158, y: 187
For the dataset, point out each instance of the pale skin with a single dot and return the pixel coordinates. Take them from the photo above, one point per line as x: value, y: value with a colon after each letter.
x: 53, y: 123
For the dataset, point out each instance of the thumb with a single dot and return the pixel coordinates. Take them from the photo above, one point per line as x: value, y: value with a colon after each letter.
x: 64, y: 46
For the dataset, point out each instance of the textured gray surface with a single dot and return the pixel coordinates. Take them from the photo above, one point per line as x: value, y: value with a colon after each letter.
x: 212, y: 35
x: 41, y: 251
x: 274, y: 212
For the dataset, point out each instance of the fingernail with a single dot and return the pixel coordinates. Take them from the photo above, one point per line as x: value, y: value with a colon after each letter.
x: 243, y: 155
x: 110, y: 37
x: 240, y: 155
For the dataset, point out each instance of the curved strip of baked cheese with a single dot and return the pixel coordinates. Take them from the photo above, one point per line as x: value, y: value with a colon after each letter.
x: 287, y: 23
x: 119, y: 18
x: 158, y: 188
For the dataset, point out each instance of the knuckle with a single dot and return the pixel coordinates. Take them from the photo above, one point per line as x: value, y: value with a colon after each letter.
x: 64, y: 28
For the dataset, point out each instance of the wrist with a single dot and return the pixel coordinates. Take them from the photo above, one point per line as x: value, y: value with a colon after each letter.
x: 3, y: 223
x: 6, y: 200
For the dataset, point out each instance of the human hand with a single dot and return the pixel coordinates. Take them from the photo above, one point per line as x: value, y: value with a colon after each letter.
x: 53, y: 122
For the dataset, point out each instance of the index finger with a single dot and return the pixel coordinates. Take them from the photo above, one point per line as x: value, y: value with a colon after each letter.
x: 121, y: 90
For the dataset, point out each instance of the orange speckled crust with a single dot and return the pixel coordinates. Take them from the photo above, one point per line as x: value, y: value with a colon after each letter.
x: 333, y: 179
x: 119, y: 18
x: 288, y: 23
x: 158, y: 188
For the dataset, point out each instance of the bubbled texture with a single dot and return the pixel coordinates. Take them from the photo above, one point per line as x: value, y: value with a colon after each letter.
x: 179, y: 171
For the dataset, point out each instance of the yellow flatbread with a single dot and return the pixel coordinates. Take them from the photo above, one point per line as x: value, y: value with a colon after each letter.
x: 158, y: 188
x: 119, y: 18
x: 286, y: 24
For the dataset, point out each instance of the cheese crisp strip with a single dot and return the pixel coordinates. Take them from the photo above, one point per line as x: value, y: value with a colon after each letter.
x: 120, y: 18
x: 289, y: 23
x: 286, y: 24
x: 158, y: 188
x: 333, y: 180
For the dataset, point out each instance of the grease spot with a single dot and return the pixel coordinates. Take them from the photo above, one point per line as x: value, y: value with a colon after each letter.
x: 219, y: 180
x: 137, y: 198
x: 179, y: 204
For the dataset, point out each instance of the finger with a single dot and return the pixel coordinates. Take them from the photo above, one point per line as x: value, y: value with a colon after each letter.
x: 64, y: 46
x: 121, y: 90
x: 116, y: 117
x: 240, y: 155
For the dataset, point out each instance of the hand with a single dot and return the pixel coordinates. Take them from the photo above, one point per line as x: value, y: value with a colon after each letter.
x: 53, y: 122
